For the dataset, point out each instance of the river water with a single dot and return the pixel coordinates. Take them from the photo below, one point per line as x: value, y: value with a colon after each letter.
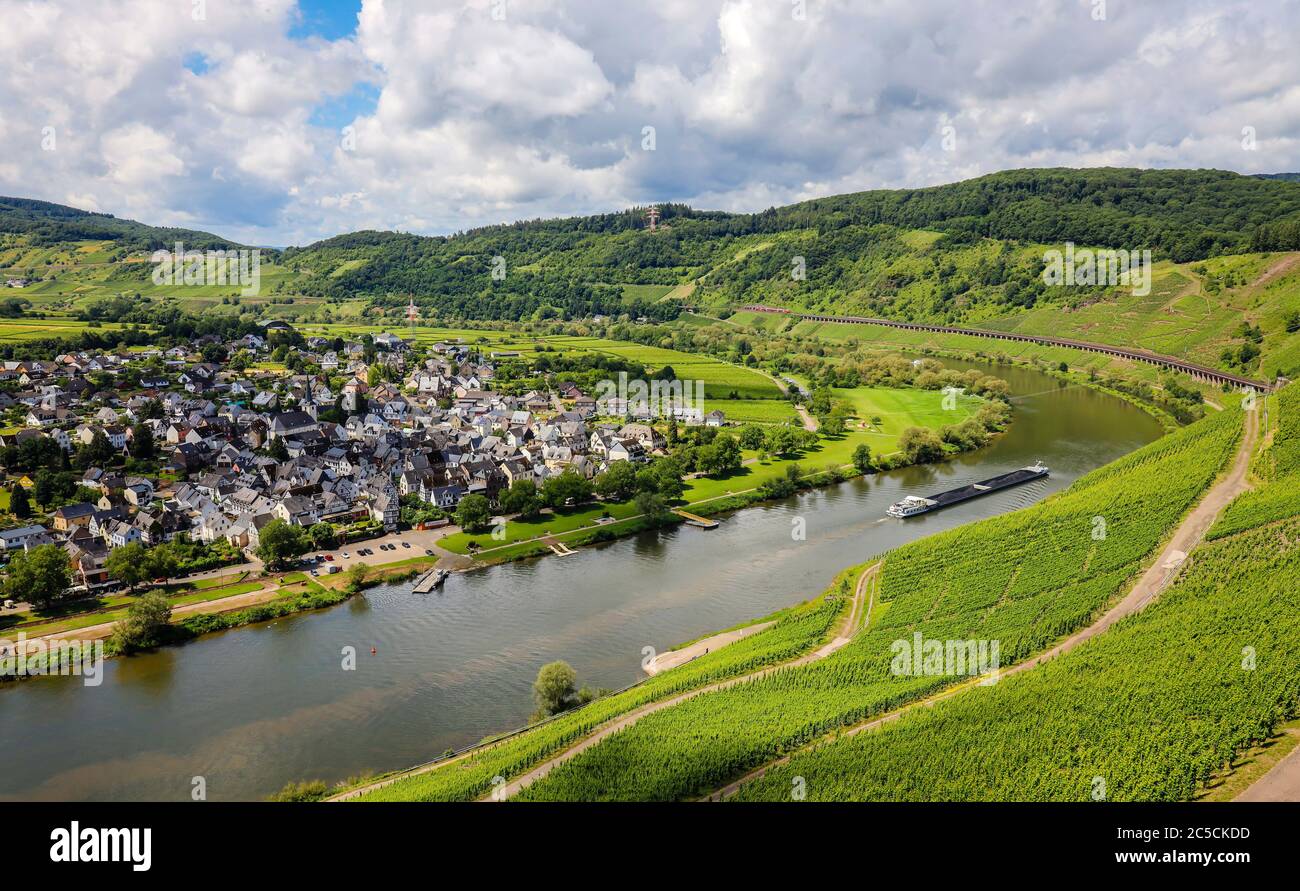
x: 250, y: 709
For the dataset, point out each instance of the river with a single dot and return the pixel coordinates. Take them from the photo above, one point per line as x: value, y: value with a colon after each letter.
x: 249, y: 709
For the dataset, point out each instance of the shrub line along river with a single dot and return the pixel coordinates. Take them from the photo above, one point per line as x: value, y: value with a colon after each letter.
x: 253, y: 708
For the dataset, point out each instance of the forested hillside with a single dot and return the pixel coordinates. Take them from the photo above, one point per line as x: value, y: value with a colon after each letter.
x: 46, y: 224
x: 962, y: 253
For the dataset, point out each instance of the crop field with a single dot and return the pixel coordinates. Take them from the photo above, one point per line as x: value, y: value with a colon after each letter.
x: 1024, y: 579
x: 427, y: 334
x: 797, y: 630
x: 1277, y: 466
x: 755, y: 411
x: 12, y: 330
x: 721, y: 380
x: 1153, y: 710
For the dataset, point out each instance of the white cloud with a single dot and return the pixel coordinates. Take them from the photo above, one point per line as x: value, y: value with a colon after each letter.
x: 479, y: 120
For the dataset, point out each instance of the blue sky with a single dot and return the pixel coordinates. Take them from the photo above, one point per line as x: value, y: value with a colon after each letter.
x: 327, y: 19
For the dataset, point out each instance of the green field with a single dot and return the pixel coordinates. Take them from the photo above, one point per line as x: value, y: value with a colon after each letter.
x: 18, y: 330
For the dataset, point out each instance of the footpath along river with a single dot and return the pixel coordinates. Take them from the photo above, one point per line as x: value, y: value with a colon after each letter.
x: 251, y: 709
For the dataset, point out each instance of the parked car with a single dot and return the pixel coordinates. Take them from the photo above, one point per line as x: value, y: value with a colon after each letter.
x: 406, y: 544
x: 345, y: 555
x: 329, y: 557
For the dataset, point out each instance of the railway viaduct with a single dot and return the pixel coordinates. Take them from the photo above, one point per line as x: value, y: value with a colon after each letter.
x: 1199, y: 372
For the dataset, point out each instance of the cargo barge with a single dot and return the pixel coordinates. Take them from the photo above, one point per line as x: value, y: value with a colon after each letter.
x: 915, y: 504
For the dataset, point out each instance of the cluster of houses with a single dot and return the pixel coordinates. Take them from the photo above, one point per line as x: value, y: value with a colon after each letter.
x: 244, y: 448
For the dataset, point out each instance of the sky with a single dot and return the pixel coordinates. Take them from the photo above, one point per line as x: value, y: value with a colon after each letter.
x: 278, y: 122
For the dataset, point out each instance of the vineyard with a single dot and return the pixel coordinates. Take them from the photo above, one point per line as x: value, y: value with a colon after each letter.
x: 721, y: 380
x: 1151, y: 710
x: 1022, y: 579
x: 1279, y: 466
x: 797, y: 630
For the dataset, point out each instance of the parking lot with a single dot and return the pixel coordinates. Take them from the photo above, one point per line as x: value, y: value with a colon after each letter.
x: 390, y: 548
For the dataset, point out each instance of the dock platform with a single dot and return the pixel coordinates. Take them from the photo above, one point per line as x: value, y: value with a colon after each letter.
x: 698, y: 522
x: 430, y: 580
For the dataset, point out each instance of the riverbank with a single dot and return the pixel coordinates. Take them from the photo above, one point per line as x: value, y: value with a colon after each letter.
x: 275, y: 598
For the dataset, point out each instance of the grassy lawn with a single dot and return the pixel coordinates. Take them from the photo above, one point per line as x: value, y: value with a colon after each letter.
x: 76, y: 615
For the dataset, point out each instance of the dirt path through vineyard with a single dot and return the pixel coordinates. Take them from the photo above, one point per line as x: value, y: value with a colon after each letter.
x: 852, y: 624
x: 850, y: 628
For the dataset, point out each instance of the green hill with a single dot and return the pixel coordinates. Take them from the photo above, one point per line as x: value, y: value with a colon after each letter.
x: 968, y: 253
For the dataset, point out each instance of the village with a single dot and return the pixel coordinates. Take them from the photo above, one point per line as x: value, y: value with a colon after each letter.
x: 211, y: 444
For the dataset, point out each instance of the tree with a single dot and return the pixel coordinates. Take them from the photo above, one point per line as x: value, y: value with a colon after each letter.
x: 161, y: 562
x: 277, y: 449
x: 522, y: 499
x: 921, y: 445
x: 128, y: 564
x: 45, y: 489
x: 664, y: 476
x: 357, y: 576
x: 568, y: 486
x: 619, y: 482
x: 751, y: 437
x: 653, y: 507
x: 97, y: 452
x: 781, y: 441
x: 862, y: 457
x: 142, y: 627
x: 38, y: 576
x: 720, y: 456
x: 555, y: 688
x: 473, y: 513
x: 142, y: 445
x: 280, y: 542
x: 323, y: 536
x: 19, y: 506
